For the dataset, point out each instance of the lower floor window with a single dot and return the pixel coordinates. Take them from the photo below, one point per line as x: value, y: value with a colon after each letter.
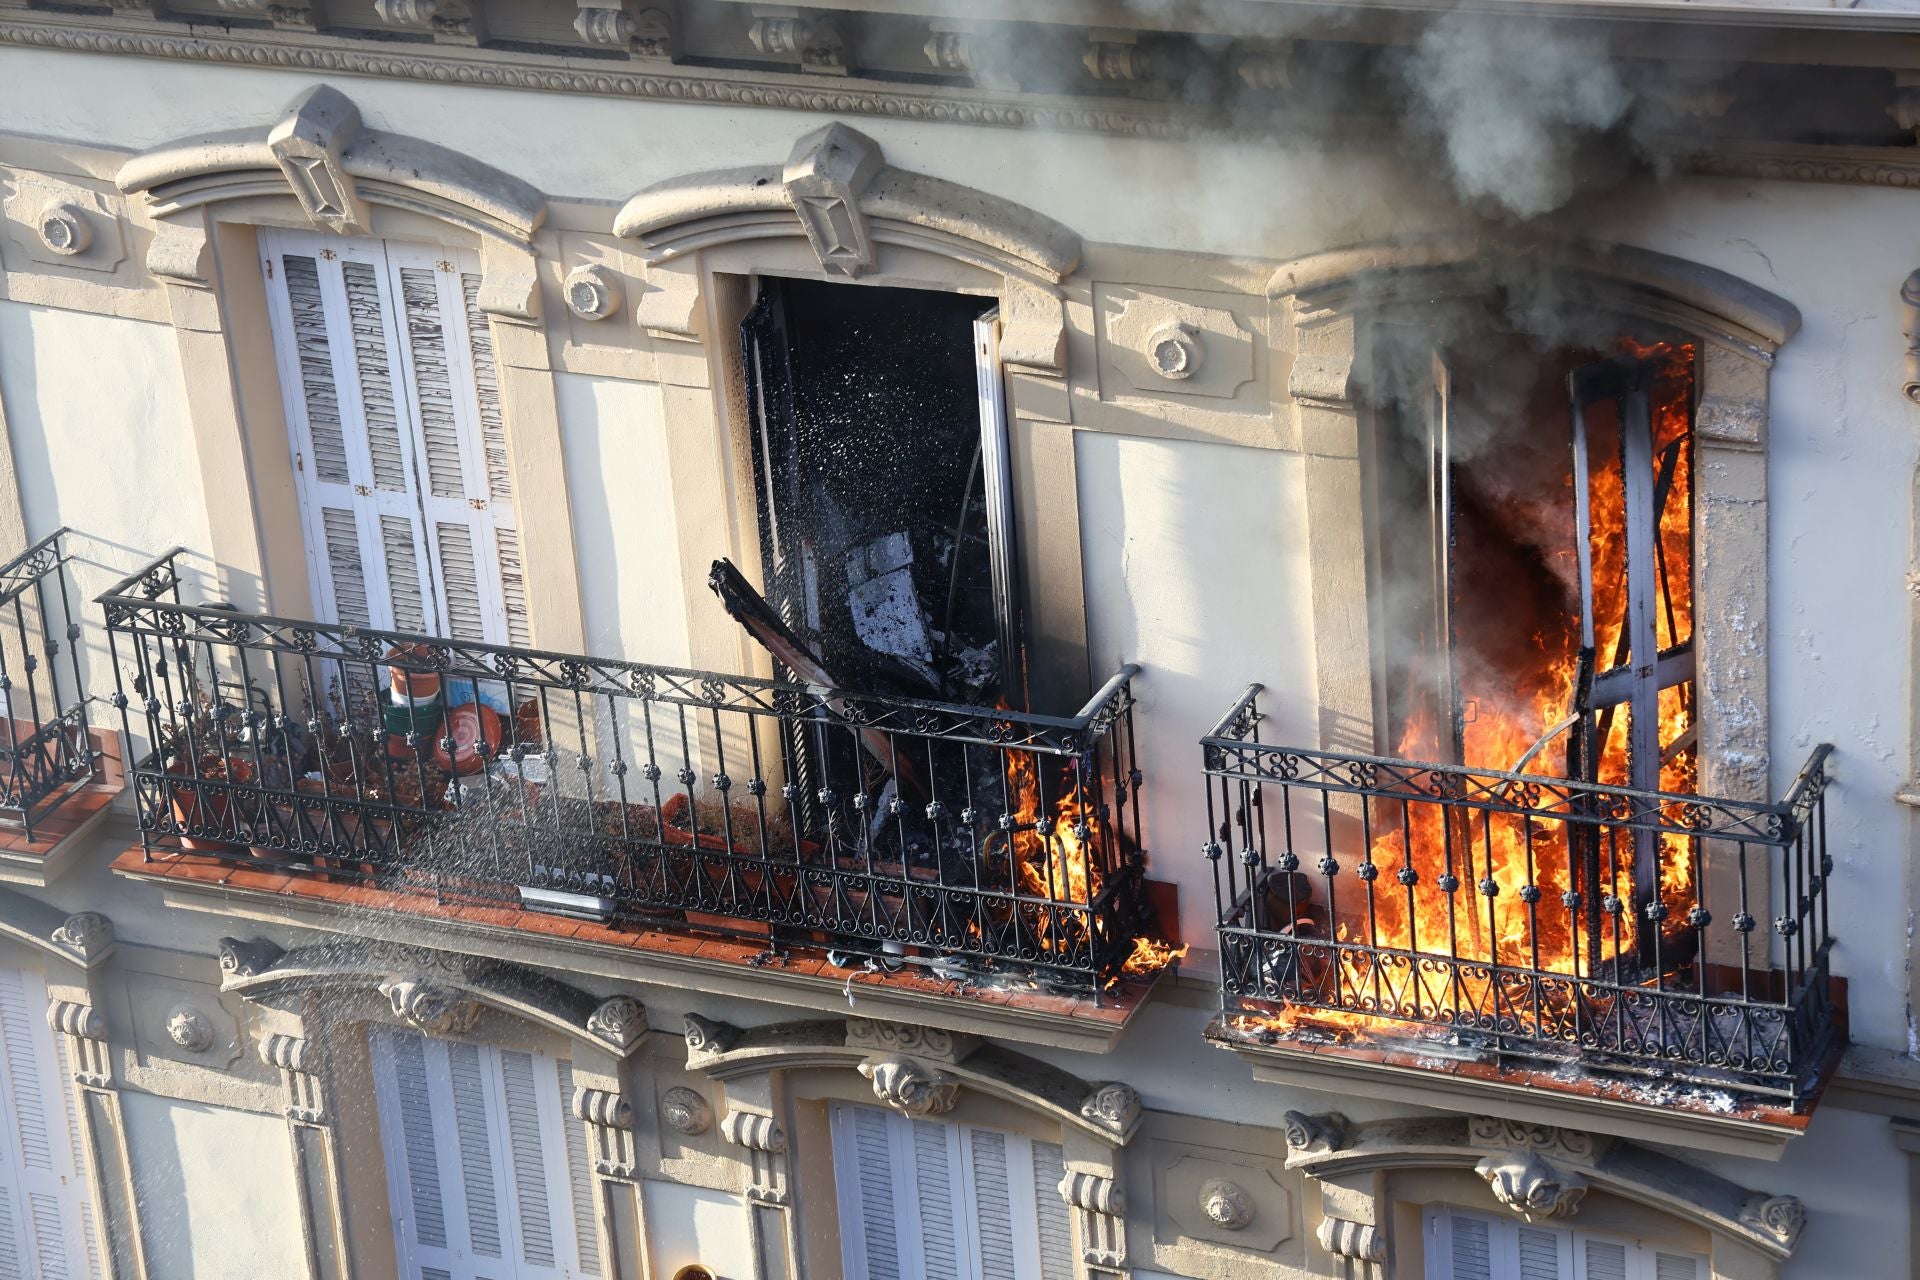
x: 46, y: 1215
x: 1470, y: 1246
x: 486, y: 1167
x: 922, y: 1198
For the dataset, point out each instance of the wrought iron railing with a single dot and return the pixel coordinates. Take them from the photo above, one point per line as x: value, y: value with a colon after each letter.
x: 896, y: 830
x: 1467, y: 911
x: 46, y: 754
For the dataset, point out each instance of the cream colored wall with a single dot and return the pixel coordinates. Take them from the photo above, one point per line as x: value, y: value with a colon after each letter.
x: 216, y: 1191
x: 686, y: 1225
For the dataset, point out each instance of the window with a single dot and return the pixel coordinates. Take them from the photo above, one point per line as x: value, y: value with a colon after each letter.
x: 398, y: 445
x: 46, y: 1216
x: 926, y: 1200
x: 486, y: 1167
x: 1467, y: 1246
x: 883, y: 485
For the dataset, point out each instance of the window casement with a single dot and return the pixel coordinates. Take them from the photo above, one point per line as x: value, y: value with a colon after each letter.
x: 928, y: 1199
x: 487, y: 1171
x: 46, y: 1214
x: 1471, y: 1246
x: 397, y: 438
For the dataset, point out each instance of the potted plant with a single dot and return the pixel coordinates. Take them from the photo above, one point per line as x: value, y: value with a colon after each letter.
x: 412, y: 673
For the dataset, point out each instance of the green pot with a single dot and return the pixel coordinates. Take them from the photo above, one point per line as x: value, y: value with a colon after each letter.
x: 422, y: 716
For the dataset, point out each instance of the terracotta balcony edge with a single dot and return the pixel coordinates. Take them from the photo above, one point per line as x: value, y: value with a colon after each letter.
x: 1645, y: 1112
x: 730, y: 967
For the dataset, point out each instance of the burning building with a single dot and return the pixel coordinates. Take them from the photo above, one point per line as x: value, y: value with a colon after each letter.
x: 682, y: 638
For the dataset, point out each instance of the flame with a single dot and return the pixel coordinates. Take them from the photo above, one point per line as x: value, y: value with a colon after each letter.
x: 1505, y: 848
x: 1150, y: 956
x: 1052, y: 859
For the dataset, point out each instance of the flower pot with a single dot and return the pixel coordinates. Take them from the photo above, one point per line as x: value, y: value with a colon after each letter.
x: 199, y: 807
x: 408, y: 684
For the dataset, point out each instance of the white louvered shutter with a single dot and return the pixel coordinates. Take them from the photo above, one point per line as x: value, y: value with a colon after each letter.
x: 399, y: 447
x: 1679, y: 1266
x: 1603, y: 1259
x: 45, y: 1214
x: 922, y: 1198
x: 477, y: 1161
x: 1468, y: 1246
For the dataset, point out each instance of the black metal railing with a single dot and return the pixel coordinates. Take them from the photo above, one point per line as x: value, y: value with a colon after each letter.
x: 892, y: 829
x: 46, y: 754
x: 1360, y: 896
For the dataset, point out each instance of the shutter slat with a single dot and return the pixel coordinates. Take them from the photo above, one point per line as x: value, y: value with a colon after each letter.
x: 993, y: 1201
x: 933, y: 1178
x: 403, y: 573
x: 1540, y: 1255
x: 1056, y: 1224
x: 586, y: 1224
x: 460, y: 582
x: 31, y: 1132
x: 343, y: 566
x: 513, y: 586
x: 49, y: 1236
x: 528, y: 1158
x: 416, y: 1124
x: 366, y: 314
x: 493, y: 430
x: 476, y: 1151
x: 1676, y: 1266
x: 316, y: 368
x: 1472, y: 1248
x: 433, y: 382
x: 12, y: 1266
x: 878, y: 1229
x: 1606, y: 1260
x: 79, y: 1146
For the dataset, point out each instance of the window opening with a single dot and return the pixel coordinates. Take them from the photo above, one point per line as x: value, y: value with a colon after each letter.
x: 881, y: 482
x: 46, y: 1213
x: 1471, y: 1246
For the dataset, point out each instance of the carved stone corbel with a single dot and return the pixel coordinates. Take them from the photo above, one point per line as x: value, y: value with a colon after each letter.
x: 1781, y: 1217
x: 308, y: 142
x: 1355, y: 1241
x: 812, y: 40
x: 1117, y: 56
x: 929, y: 1044
x: 1910, y: 329
x: 1114, y: 1107
x: 765, y: 1142
x: 1313, y: 1135
x: 430, y: 1008
x: 824, y: 178
x: 609, y: 1120
x: 620, y: 1021
x: 708, y: 1039
x: 909, y: 1087
x: 291, y: 1056
x: 1097, y: 1201
x: 1529, y: 1185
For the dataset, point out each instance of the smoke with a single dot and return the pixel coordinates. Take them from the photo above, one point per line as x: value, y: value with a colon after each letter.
x: 1512, y: 103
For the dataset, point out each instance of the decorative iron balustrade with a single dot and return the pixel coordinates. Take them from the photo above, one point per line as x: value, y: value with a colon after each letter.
x: 965, y: 838
x: 1448, y: 909
x: 45, y: 752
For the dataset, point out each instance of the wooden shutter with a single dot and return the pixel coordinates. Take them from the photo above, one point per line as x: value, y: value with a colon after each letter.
x: 478, y: 1162
x: 45, y: 1219
x: 1468, y: 1246
x: 926, y: 1199
x: 1603, y: 1259
x: 399, y: 446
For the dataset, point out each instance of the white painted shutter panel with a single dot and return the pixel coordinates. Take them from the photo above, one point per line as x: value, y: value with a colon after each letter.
x: 1603, y: 1259
x: 1050, y: 1211
x: 586, y: 1218
x: 460, y: 438
x: 393, y: 407
x: 1470, y: 1248
x: 44, y: 1225
x: 993, y: 1204
x: 868, y: 1182
x: 944, y: 1238
x: 1678, y: 1266
x: 1543, y: 1254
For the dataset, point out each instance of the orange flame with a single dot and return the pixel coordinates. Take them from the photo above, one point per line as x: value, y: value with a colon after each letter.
x: 1506, y: 848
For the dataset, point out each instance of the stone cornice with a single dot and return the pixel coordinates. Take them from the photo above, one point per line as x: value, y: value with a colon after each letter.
x: 1160, y: 119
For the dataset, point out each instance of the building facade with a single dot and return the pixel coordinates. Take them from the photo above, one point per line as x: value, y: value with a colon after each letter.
x: 675, y: 638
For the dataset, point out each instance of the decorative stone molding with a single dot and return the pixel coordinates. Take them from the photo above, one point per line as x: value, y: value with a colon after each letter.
x: 910, y: 1088
x: 1905, y: 108
x: 430, y: 1008
x: 837, y: 190
x: 1528, y: 1185
x: 619, y: 1021
x: 1781, y: 1217
x: 1109, y: 1113
x: 319, y: 155
x: 1092, y: 1191
x: 1538, y: 1171
x: 1314, y: 1135
x: 813, y: 40
x: 293, y: 1056
x: 1265, y: 69
x: 765, y: 1142
x: 1117, y: 56
x: 190, y: 1029
x: 754, y: 1131
x: 609, y: 1120
x: 285, y: 1052
x: 65, y: 230
x: 592, y: 292
x: 1097, y: 1202
x: 1226, y: 1204
x: 439, y: 992
x: 686, y: 1111
x: 88, y: 935
x: 1357, y: 1241
x: 1910, y: 330
x: 72, y: 1018
x: 931, y: 1044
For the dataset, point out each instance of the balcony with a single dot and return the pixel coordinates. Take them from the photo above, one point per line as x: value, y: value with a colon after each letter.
x: 1631, y: 947
x: 968, y: 846
x: 58, y: 775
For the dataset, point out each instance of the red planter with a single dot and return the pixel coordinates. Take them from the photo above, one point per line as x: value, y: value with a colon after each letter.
x: 413, y: 684
x: 204, y: 807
